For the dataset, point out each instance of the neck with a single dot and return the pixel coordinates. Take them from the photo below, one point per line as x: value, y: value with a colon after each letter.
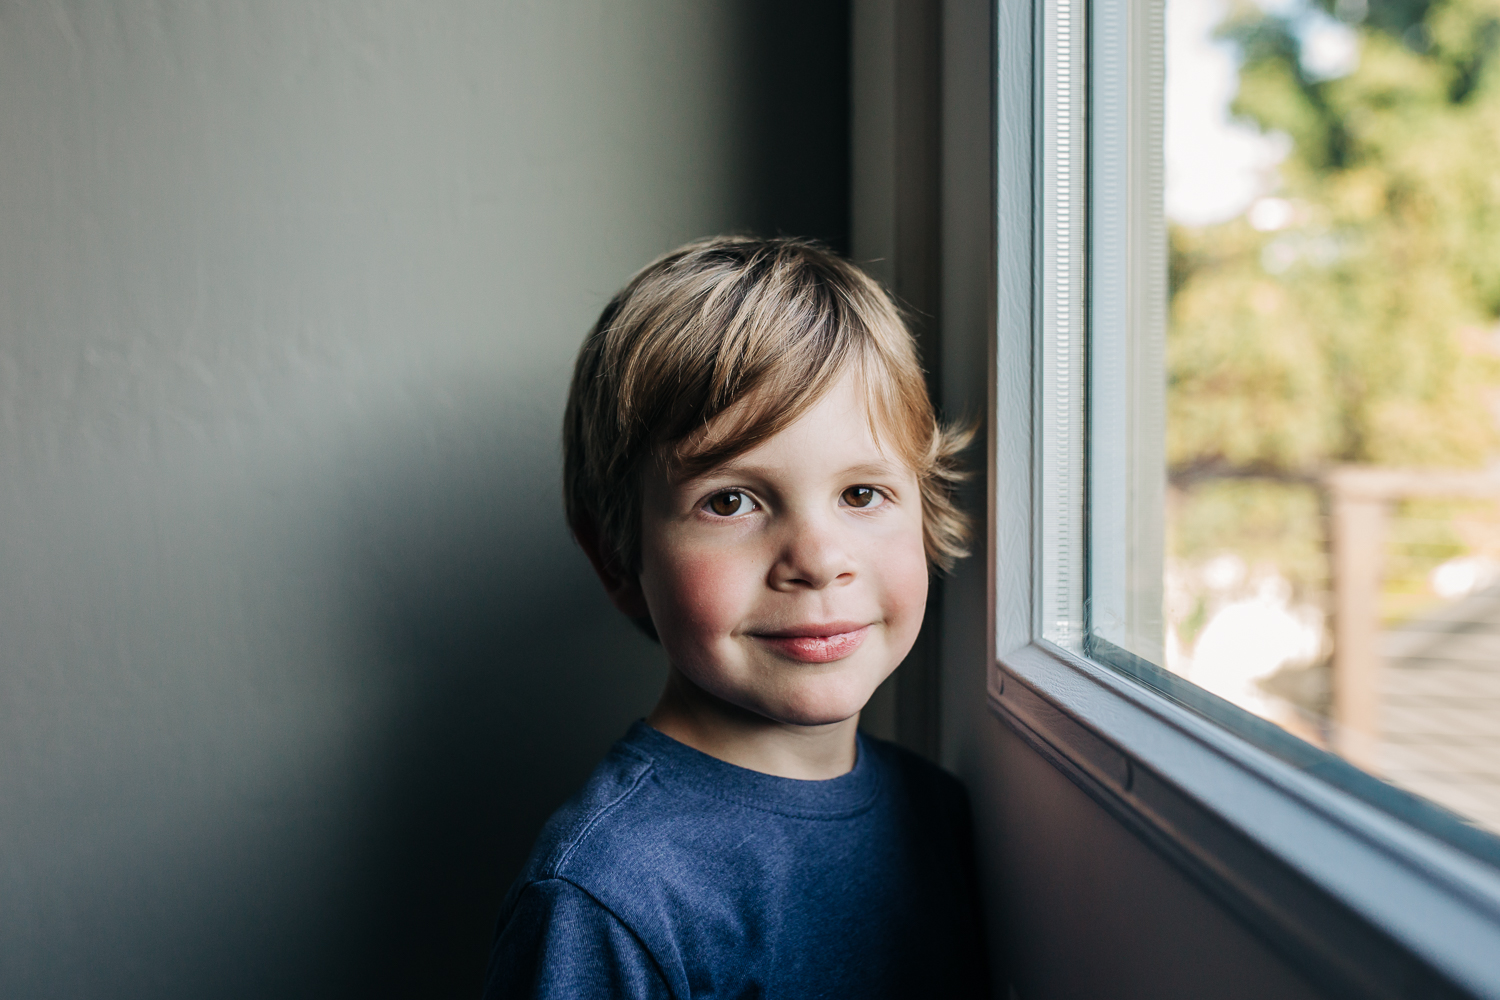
x: 747, y: 739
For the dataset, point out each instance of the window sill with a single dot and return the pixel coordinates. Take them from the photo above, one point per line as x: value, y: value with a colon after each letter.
x: 1364, y: 904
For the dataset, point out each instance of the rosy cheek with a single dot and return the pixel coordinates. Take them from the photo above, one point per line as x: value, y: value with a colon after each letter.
x: 906, y: 586
x: 703, y: 592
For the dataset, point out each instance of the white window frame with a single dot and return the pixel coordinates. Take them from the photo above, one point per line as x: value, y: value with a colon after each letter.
x: 1357, y: 899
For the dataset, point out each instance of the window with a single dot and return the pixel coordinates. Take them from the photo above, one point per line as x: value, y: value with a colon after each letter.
x: 1359, y: 883
x: 1333, y: 547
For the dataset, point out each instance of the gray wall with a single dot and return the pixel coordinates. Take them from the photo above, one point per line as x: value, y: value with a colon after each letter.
x: 295, y: 652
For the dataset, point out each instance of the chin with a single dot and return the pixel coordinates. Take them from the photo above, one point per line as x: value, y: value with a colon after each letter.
x: 816, y: 717
x: 822, y: 705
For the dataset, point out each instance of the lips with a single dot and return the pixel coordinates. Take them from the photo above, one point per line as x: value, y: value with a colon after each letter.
x: 816, y: 643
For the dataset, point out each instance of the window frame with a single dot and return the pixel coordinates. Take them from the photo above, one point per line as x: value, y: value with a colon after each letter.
x: 1357, y: 900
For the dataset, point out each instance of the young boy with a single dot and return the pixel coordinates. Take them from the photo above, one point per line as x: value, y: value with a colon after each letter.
x: 754, y: 469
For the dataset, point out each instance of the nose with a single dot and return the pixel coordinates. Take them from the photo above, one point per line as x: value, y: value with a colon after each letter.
x: 813, y: 555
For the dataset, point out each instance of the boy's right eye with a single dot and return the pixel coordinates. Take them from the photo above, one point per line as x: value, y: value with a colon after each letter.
x: 730, y: 502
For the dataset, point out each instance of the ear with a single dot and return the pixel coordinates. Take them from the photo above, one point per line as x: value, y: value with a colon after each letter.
x: 624, y: 589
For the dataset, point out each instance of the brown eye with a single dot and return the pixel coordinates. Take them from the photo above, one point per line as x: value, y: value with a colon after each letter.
x: 729, y: 503
x: 862, y: 496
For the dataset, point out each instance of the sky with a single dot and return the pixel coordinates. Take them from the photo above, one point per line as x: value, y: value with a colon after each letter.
x: 1217, y: 167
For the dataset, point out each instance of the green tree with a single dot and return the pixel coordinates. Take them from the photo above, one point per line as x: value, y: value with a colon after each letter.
x: 1365, y: 329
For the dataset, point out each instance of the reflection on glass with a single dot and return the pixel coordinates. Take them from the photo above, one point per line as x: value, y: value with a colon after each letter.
x: 1333, y: 366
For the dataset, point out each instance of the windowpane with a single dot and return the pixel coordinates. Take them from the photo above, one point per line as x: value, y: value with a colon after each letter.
x: 1332, y: 371
x: 1127, y: 300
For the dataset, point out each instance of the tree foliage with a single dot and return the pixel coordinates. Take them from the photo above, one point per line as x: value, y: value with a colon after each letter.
x: 1364, y: 329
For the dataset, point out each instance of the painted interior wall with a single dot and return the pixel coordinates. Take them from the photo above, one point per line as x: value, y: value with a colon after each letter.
x: 295, y: 652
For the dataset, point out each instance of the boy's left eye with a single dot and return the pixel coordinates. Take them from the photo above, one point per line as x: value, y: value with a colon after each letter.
x: 862, y: 496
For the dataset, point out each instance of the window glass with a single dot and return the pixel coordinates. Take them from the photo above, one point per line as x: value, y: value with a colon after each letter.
x: 1328, y: 438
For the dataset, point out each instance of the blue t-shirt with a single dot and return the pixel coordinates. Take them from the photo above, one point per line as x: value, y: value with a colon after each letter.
x: 675, y: 874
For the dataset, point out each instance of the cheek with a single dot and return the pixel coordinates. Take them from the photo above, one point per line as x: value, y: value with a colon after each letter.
x: 700, y: 596
x: 905, y: 579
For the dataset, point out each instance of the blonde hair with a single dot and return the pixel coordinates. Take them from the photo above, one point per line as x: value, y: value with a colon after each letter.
x: 762, y: 326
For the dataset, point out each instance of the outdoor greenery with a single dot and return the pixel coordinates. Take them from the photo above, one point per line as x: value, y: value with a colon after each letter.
x: 1360, y: 324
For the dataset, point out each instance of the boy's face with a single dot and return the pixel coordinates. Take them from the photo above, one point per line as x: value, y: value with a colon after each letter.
x: 791, y: 580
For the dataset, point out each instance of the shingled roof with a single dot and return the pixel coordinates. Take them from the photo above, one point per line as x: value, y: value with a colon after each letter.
x: 1440, y: 707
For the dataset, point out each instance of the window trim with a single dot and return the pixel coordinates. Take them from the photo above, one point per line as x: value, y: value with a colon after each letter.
x: 1358, y: 901
x: 1328, y: 880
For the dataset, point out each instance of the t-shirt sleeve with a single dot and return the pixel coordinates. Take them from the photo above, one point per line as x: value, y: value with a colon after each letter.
x: 559, y: 942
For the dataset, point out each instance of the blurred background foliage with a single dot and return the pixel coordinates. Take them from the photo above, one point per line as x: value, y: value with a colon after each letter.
x: 1350, y: 317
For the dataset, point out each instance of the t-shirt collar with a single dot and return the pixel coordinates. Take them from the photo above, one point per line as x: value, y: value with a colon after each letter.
x: 827, y: 799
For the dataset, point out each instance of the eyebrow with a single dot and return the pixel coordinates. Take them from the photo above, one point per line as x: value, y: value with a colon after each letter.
x: 876, y: 469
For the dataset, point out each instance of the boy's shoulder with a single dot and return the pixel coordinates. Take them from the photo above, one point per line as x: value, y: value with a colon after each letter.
x: 607, y: 794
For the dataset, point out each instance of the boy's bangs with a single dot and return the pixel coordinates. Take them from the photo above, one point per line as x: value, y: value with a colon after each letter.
x: 782, y: 397
x: 762, y: 410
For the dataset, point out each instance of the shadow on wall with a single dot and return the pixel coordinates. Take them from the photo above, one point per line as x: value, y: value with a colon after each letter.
x: 796, y: 70
x: 336, y: 702
x: 499, y: 706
